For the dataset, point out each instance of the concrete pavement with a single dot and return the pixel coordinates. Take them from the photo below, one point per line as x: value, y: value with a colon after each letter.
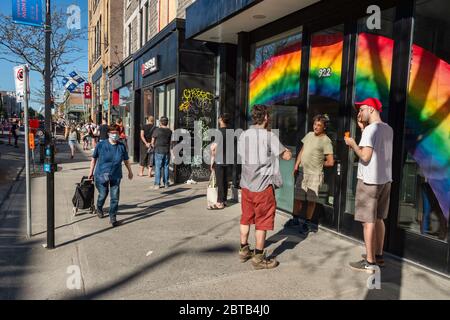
x: 170, y: 247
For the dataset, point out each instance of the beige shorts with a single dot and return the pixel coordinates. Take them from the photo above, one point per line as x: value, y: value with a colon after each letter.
x: 372, y: 201
x: 307, y: 186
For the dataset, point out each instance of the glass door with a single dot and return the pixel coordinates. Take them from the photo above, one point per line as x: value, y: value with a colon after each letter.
x: 325, y: 98
x: 372, y: 77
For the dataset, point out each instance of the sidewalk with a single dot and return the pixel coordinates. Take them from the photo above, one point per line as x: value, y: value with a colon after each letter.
x: 170, y: 247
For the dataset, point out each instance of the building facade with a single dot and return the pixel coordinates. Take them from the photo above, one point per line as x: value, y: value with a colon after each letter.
x: 307, y: 57
x: 105, y: 51
x: 149, y: 79
x: 8, y: 104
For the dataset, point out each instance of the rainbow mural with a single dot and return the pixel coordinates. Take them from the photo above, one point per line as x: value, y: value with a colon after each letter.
x: 428, y: 117
x: 326, y: 65
x: 277, y: 78
x: 373, y: 67
x: 428, y: 113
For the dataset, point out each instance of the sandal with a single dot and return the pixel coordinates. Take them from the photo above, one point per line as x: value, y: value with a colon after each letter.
x: 214, y: 207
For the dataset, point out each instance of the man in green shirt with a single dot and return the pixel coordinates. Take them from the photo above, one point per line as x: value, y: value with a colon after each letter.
x: 316, y: 153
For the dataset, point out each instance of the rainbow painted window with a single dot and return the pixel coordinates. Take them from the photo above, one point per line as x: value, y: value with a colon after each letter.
x: 326, y: 64
x: 425, y: 197
x: 374, y: 65
x: 275, y: 73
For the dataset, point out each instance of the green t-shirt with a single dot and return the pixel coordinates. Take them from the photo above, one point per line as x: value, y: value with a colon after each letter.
x: 315, y: 148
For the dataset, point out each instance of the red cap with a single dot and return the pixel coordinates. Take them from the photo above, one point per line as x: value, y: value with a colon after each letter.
x: 371, y: 102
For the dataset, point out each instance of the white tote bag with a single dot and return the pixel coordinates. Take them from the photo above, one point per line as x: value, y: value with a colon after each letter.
x: 211, y: 194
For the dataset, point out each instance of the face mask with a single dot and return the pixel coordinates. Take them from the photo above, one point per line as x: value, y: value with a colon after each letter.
x: 114, y: 137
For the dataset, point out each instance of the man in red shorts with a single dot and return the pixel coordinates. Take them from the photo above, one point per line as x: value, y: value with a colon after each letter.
x: 259, y: 151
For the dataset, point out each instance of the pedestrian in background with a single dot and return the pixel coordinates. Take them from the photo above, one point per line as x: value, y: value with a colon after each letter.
x: 121, y: 129
x: 103, y: 130
x: 161, y: 141
x: 72, y: 138
x: 147, y: 151
x: 106, y: 170
x: 218, y: 163
x: 374, y: 180
x: 14, y: 131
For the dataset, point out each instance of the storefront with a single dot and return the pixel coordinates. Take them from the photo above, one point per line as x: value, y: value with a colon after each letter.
x: 168, y: 71
x: 121, y: 97
x: 310, y: 57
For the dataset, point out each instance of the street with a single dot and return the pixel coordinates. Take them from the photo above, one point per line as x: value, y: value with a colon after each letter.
x: 170, y: 247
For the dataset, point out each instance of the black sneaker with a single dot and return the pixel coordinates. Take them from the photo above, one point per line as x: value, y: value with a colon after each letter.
x: 305, y: 229
x: 100, y: 213
x: 363, y: 265
x: 115, y: 224
x: 292, y: 222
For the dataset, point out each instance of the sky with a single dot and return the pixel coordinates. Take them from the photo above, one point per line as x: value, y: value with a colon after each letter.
x: 81, y: 66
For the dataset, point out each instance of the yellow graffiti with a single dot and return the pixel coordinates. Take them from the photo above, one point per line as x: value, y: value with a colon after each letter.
x: 195, y: 97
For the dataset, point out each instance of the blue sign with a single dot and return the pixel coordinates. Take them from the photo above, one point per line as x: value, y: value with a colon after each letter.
x: 47, y: 167
x: 29, y: 12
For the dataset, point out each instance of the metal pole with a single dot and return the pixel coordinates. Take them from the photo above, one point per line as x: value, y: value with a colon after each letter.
x: 27, y: 151
x: 48, y: 133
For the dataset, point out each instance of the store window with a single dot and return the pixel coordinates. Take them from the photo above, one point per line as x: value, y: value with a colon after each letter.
x: 425, y: 187
x: 148, y: 109
x: 125, y: 102
x: 165, y: 103
x: 374, y: 54
x: 275, y: 81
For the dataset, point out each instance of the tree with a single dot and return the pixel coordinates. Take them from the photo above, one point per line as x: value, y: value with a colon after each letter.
x: 21, y: 44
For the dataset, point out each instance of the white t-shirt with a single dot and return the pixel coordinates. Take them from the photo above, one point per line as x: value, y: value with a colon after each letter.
x: 378, y: 136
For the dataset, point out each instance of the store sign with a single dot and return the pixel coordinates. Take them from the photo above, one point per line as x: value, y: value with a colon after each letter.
x: 77, y: 109
x: 28, y: 12
x: 151, y: 66
x: 87, y: 91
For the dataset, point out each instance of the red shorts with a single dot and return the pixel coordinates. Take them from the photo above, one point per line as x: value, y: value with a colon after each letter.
x: 258, y: 208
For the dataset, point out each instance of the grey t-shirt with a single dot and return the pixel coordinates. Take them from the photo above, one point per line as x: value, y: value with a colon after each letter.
x: 259, y: 151
x: 378, y: 136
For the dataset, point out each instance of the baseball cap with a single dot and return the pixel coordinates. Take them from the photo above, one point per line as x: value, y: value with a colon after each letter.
x: 371, y: 102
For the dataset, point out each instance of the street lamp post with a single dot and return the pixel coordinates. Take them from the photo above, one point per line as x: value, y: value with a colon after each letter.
x: 49, y: 146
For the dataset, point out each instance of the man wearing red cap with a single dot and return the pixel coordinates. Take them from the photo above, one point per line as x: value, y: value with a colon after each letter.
x: 374, y: 180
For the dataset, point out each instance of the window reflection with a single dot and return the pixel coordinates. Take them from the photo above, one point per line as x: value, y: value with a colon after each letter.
x: 425, y: 189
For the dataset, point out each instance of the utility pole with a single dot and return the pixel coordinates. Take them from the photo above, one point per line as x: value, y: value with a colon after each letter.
x: 27, y: 148
x: 49, y: 145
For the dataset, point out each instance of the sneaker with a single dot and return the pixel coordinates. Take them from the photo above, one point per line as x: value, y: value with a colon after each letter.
x: 379, y: 259
x: 100, y: 213
x: 292, y: 222
x: 245, y: 253
x: 156, y: 187
x: 115, y: 223
x: 167, y: 186
x: 260, y: 261
x: 305, y: 229
x: 363, y: 265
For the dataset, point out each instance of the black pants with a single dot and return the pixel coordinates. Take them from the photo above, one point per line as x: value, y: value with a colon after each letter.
x: 222, y: 182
